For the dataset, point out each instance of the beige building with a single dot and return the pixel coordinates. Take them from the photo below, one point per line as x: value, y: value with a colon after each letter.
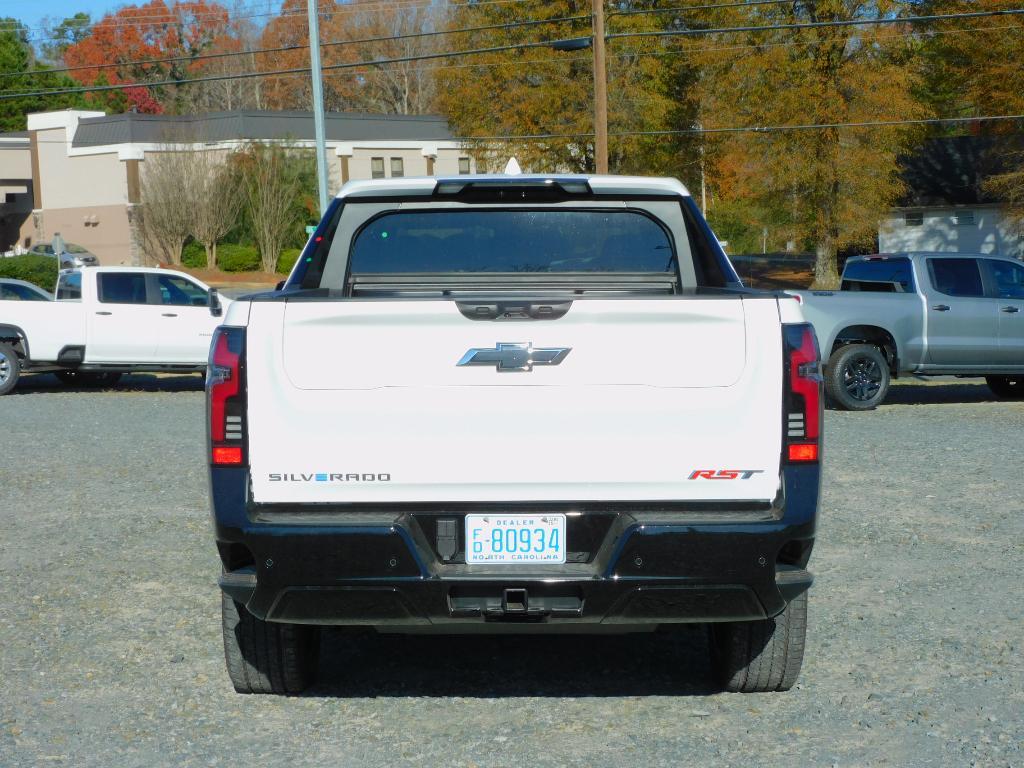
x: 77, y: 172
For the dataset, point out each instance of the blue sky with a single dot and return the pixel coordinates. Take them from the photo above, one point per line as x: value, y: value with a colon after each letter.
x: 33, y: 12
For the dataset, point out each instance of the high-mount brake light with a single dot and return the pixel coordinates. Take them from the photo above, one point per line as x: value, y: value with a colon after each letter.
x: 803, y: 386
x: 225, y: 395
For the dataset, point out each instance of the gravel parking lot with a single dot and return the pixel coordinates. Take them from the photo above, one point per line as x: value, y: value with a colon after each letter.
x: 110, y: 650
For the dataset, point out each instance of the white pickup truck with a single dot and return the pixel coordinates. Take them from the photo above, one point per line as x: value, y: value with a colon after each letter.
x: 507, y: 404
x: 106, y: 321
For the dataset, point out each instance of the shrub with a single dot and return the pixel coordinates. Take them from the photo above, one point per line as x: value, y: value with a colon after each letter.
x: 194, y: 255
x: 40, y: 270
x: 287, y: 260
x: 232, y: 257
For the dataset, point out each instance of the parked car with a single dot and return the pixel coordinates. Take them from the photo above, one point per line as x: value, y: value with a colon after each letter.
x: 22, y: 290
x: 106, y: 321
x: 73, y: 255
x: 927, y: 314
x: 514, y: 403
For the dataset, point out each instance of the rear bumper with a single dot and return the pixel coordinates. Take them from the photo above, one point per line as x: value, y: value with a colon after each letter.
x: 642, y: 566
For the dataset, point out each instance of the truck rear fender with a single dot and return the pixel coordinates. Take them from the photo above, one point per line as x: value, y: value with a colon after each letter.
x: 13, y: 335
x: 869, y: 334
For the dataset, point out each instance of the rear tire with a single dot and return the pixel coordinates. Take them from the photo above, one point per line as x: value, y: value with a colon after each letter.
x: 760, y: 656
x: 265, y: 656
x: 857, y: 377
x: 1006, y: 387
x: 89, y: 378
x: 10, y: 368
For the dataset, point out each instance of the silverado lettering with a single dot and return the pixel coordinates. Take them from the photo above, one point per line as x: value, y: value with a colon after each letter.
x: 332, y: 477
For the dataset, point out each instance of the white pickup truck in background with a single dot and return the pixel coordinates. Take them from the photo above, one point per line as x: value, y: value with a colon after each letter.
x: 106, y: 321
x: 507, y: 404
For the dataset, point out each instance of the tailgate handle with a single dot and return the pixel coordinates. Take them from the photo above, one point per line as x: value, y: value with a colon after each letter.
x: 513, y: 310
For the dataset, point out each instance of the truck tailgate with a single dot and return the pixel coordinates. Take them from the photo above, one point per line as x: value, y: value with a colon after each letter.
x: 372, y: 406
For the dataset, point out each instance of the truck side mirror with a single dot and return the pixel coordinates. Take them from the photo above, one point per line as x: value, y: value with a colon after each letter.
x: 279, y: 286
x: 215, y: 308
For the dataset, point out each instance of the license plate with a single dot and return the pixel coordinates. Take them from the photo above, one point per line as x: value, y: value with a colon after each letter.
x: 515, y: 539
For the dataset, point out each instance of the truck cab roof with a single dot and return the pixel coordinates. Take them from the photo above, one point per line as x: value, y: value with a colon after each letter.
x: 571, y: 184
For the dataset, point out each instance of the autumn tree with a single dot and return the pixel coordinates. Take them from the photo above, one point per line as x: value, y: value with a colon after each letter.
x: 399, y: 88
x: 547, y: 93
x: 153, y: 30
x: 977, y: 73
x: 824, y: 185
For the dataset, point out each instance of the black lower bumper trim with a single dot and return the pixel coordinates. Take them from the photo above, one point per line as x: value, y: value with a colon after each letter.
x: 636, y: 568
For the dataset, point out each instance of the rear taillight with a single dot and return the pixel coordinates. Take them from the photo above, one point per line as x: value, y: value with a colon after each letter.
x: 802, y: 416
x: 225, y: 397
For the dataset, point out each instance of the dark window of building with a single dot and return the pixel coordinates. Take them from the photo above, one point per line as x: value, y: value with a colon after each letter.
x: 377, y: 167
x: 964, y: 218
x: 464, y: 166
x: 397, y: 168
x: 913, y: 218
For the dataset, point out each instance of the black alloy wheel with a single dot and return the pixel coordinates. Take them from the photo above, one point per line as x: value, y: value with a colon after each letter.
x: 857, y: 377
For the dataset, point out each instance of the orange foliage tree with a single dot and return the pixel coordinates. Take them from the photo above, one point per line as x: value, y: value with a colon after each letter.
x: 400, y: 88
x: 825, y: 187
x: 976, y: 72
x: 546, y: 94
x: 153, y: 30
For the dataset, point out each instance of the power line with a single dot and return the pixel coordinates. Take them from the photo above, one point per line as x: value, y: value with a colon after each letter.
x: 820, y: 24
x: 113, y: 22
x: 755, y: 128
x: 496, y: 49
x: 741, y: 129
x: 281, y: 49
x: 284, y: 48
x: 290, y: 71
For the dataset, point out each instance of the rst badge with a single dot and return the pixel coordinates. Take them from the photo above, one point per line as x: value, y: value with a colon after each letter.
x: 514, y: 356
x: 724, y: 474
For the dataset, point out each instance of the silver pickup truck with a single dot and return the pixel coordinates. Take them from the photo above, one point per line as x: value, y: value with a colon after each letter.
x: 923, y: 314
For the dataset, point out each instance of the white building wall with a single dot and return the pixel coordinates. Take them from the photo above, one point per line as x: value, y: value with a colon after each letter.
x: 950, y: 230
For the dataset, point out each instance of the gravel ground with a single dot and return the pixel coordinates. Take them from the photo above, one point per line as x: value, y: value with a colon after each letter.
x: 110, y: 650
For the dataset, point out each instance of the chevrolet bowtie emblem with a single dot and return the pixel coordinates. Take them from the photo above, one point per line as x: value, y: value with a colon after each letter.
x: 518, y: 356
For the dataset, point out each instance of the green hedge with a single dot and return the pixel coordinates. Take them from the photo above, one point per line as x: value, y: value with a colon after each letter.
x: 41, y: 270
x: 232, y: 257
x: 287, y: 260
x: 194, y: 255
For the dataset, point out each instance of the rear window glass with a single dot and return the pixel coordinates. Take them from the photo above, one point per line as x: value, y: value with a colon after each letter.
x: 879, y: 275
x: 525, y: 241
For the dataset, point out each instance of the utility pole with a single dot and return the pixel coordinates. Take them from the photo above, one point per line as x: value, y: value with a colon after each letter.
x: 600, y: 92
x: 318, y: 102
